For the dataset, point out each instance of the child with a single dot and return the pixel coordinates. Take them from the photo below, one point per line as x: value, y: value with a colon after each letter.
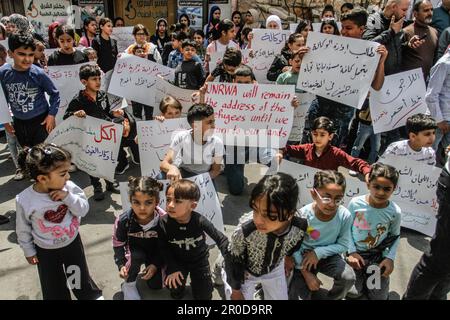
x: 151, y: 52
x: 199, y: 38
x: 183, y: 242
x: 91, y: 54
x: 105, y: 46
x: 327, y: 12
x: 223, y: 36
x: 195, y: 151
x: 214, y: 19
x: 226, y: 69
x: 170, y: 109
x: 245, y: 39
x: 93, y: 102
x: 329, y: 26
x: 263, y: 239
x: 48, y: 215
x: 66, y: 54
x: 281, y: 62
x: 375, y: 233
x: 40, y: 59
x: 421, y: 132
x: 322, y: 155
x: 176, y: 56
x: 189, y: 74
x: 160, y: 38
x: 24, y: 85
x: 291, y: 76
x: 135, y: 237
x: 90, y: 31
x: 328, y: 237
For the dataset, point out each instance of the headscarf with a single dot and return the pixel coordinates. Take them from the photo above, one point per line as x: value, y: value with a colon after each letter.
x: 255, y: 15
x: 52, y: 41
x: 22, y: 24
x: 276, y: 19
x: 210, y: 20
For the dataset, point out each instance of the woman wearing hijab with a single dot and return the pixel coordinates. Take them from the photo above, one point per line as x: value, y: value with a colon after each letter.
x: 274, y: 22
x: 19, y: 23
x: 251, y: 19
x: 214, y: 18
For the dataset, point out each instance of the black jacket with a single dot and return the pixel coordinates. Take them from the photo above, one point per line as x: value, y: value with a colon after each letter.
x: 280, y: 61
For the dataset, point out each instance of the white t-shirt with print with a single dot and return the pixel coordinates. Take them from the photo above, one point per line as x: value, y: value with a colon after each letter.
x: 402, y: 148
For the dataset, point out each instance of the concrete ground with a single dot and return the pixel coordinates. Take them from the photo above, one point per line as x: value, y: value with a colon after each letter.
x: 19, y: 280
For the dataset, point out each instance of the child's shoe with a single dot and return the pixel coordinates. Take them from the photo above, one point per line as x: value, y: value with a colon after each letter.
x: 98, y: 193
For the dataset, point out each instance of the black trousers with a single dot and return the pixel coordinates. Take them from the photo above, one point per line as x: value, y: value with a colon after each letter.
x: 59, y: 267
x: 140, y: 256
x: 30, y: 132
x: 430, y: 279
x: 137, y: 111
x: 201, y: 282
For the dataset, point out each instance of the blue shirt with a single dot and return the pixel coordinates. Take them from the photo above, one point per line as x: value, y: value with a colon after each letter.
x: 25, y: 92
x: 326, y: 238
x: 371, y: 226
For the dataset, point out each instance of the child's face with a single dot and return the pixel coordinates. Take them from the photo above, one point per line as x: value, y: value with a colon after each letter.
x: 92, y: 55
x: 23, y: 58
x: 65, y: 43
x: 328, y: 198
x: 172, y: 113
x: 140, y: 53
x: 184, y: 20
x: 229, y: 69
x: 328, y: 15
x: 161, y: 28
x: 56, y: 179
x: 380, y: 190
x: 198, y: 39
x: 179, y: 209
x: 296, y: 45
x: 305, y: 32
x: 188, y: 53
x: 39, y: 53
x: 351, y: 29
x: 107, y: 28
x: 244, y: 80
x: 92, y: 83
x: 175, y: 44
x: 208, y: 125
x: 321, y: 138
x: 92, y: 27
x: 262, y: 220
x: 143, y: 207
x: 229, y: 35
x: 140, y: 37
x: 295, y: 64
x: 424, y: 138
x: 328, y: 29
x: 236, y: 19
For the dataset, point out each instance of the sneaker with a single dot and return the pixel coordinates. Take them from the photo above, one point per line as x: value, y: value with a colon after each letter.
x: 19, y: 175
x: 98, y: 193
x: 121, y: 168
x: 4, y: 220
x: 72, y: 168
x: 112, y: 188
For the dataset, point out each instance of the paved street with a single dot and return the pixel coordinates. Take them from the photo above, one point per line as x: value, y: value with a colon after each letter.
x: 18, y: 280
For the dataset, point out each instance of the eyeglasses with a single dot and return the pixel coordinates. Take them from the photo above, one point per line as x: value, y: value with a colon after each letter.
x: 326, y: 200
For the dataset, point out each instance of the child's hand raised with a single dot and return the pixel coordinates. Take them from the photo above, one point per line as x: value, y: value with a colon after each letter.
x: 355, y: 261
x: 388, y: 266
x: 58, y: 195
x: 149, y: 272
x: 80, y: 114
x: 174, y: 278
x: 123, y: 273
x: 33, y: 260
x: 310, y: 260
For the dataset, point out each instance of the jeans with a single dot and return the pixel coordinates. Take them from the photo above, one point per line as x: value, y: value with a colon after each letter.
x: 366, y: 132
x: 14, y: 147
x: 430, y: 279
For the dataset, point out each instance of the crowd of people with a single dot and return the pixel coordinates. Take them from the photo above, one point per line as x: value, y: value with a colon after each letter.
x: 277, y: 248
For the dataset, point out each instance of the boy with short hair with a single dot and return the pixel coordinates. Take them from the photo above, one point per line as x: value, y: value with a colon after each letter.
x: 226, y: 70
x: 93, y: 102
x: 189, y: 74
x: 176, y: 56
x: 421, y: 130
x: 195, y: 151
x: 25, y: 86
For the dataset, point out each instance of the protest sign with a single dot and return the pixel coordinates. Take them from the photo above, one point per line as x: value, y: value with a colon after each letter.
x: 402, y: 95
x: 165, y: 88
x: 123, y: 36
x: 5, y: 116
x: 134, y: 78
x: 346, y: 78
x: 300, y: 113
x: 116, y: 102
x: 208, y: 204
x: 266, y: 44
x: 67, y: 81
x: 93, y: 143
x: 255, y: 115
x: 415, y: 193
x: 154, y: 140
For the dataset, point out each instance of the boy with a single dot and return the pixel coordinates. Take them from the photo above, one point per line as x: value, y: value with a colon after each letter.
x: 263, y: 239
x: 175, y: 56
x: 183, y: 242
x: 321, y: 154
x: 226, y: 70
x: 24, y: 85
x: 421, y: 135
x: 189, y: 74
x: 93, y: 102
x: 195, y: 151
x: 291, y: 76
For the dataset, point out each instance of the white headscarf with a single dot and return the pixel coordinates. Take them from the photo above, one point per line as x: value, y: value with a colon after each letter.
x: 276, y: 19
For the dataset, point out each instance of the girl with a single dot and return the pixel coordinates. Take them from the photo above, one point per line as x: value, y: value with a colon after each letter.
x: 223, y: 36
x: 199, y: 38
x: 51, y: 35
x: 262, y: 240
x: 66, y: 54
x: 135, y: 237
x: 105, y: 46
x: 329, y: 26
x: 90, y: 31
x: 214, y: 18
x: 304, y: 27
x: 141, y: 34
x: 375, y: 233
x: 245, y: 39
x: 274, y: 22
x: 328, y: 12
x: 2, y: 32
x: 119, y: 22
x: 236, y: 17
x: 40, y: 59
x: 281, y: 62
x: 160, y: 38
x: 184, y: 20
x: 47, y: 221
x: 328, y: 237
